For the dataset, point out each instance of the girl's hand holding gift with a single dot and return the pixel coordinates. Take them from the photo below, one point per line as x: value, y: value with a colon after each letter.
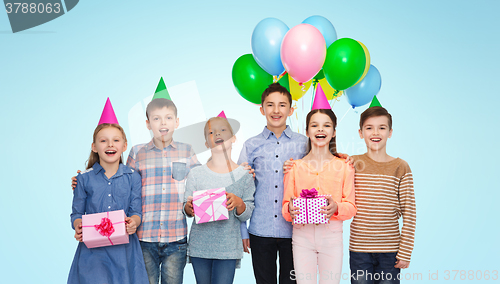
x: 294, y: 211
x: 188, y: 208
x: 132, y: 223
x: 78, y: 230
x: 233, y: 202
x: 330, y: 209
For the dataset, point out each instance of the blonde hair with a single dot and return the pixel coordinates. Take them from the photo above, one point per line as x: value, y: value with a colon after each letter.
x: 207, y: 125
x: 94, y: 157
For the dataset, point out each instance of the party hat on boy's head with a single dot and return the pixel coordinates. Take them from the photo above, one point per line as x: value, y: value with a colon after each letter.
x: 222, y: 114
x: 161, y: 91
x: 375, y: 102
x: 108, y: 114
x: 320, y: 101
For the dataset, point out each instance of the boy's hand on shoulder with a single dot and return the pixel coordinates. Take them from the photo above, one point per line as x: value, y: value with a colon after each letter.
x: 402, y: 264
x: 188, y: 208
x: 348, y: 159
x: 246, y: 245
x: 294, y: 211
x: 78, y: 230
x: 233, y: 201
x: 287, y: 165
x: 330, y: 209
x: 73, y: 180
x: 249, y: 169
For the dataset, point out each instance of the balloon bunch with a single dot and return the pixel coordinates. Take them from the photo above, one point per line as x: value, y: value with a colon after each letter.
x: 306, y: 55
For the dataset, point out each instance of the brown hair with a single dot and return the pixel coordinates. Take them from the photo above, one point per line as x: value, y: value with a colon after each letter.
x: 276, y: 87
x: 329, y: 112
x: 94, y: 157
x: 373, y: 112
x: 159, y: 104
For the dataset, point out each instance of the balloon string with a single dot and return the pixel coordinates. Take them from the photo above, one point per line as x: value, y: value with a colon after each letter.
x: 344, y: 115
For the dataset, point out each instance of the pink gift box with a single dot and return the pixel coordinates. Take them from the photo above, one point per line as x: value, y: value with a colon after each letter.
x: 310, y: 208
x: 210, y: 205
x: 104, y: 229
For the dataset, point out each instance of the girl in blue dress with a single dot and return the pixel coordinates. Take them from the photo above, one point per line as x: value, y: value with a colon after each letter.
x: 108, y: 185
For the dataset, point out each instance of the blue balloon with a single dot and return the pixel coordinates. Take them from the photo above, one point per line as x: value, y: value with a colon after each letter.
x: 266, y: 45
x: 364, y: 91
x: 324, y: 26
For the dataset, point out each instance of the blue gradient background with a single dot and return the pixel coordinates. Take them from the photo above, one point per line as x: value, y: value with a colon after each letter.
x: 438, y: 60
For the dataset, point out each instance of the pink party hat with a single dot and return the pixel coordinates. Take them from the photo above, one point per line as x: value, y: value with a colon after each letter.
x: 320, y: 101
x: 108, y: 114
x: 222, y: 114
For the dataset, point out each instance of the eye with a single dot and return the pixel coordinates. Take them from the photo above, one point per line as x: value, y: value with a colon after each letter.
x: 383, y: 128
x: 117, y: 140
x: 156, y: 118
x: 210, y: 132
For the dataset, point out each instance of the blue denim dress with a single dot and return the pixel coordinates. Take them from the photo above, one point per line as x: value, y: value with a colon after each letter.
x: 95, y: 193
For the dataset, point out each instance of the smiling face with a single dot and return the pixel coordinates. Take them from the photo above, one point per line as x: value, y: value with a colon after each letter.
x: 320, y: 130
x: 375, y: 132
x: 109, y: 145
x: 162, y: 122
x: 276, y: 108
x: 217, y: 132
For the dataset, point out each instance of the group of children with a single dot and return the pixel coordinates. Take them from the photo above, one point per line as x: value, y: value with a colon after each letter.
x: 156, y: 189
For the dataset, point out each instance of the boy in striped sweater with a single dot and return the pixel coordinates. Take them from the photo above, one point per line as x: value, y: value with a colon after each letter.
x: 384, y: 193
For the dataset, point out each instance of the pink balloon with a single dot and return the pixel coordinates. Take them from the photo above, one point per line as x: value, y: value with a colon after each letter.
x: 303, y: 52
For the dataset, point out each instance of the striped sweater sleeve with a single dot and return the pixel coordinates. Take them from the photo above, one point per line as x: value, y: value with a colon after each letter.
x: 408, y: 210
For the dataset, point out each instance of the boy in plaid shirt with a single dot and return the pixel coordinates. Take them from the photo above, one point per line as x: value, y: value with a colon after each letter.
x: 163, y: 165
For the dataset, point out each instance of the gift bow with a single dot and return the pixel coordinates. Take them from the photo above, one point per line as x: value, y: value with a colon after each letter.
x: 105, y: 228
x: 309, y: 193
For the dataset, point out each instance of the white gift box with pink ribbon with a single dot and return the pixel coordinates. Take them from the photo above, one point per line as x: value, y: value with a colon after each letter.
x: 104, y: 229
x: 210, y: 205
x: 310, y: 204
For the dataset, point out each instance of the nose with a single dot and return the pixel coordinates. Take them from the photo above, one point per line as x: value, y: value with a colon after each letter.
x: 276, y: 109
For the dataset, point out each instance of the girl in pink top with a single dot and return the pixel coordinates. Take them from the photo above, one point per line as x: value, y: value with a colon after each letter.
x: 318, y: 247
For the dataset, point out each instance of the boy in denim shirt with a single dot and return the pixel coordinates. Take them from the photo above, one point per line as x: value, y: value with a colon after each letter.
x: 270, y: 234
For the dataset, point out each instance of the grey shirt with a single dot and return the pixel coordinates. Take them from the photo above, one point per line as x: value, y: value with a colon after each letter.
x: 220, y: 239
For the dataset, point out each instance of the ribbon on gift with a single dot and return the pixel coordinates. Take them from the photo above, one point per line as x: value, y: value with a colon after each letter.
x: 105, y: 228
x: 309, y: 193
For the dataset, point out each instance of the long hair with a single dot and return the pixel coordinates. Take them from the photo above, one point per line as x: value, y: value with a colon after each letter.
x: 94, y: 157
x: 332, y: 145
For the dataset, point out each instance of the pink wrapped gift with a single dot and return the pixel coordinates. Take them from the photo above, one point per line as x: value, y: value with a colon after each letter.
x: 210, y: 205
x: 310, y: 204
x: 104, y: 229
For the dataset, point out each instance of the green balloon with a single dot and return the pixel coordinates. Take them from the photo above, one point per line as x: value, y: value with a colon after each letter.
x: 249, y: 79
x: 320, y: 75
x: 344, y: 64
x: 285, y: 82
